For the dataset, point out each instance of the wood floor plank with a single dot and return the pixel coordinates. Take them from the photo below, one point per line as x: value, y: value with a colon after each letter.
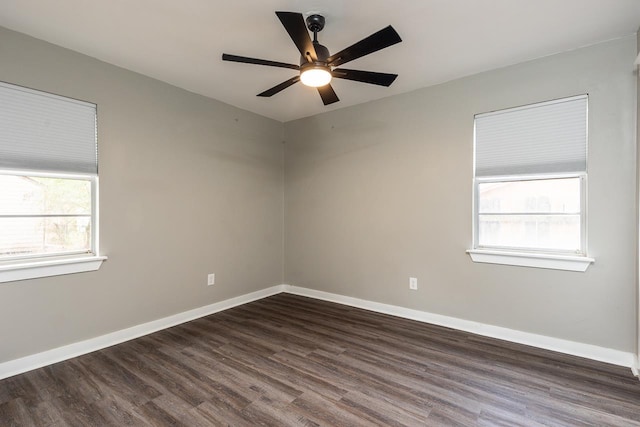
x: 387, y: 412
x: 287, y: 360
x: 117, y: 411
x: 264, y: 382
x: 46, y: 414
x: 155, y: 415
x: 104, y: 370
x: 15, y: 413
x: 76, y: 412
x: 314, y: 407
x: 496, y: 417
x: 220, y: 413
x: 277, y: 413
x: 181, y: 411
x: 294, y: 377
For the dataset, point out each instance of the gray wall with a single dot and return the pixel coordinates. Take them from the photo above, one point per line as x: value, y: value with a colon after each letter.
x: 374, y: 194
x: 382, y: 191
x: 188, y: 186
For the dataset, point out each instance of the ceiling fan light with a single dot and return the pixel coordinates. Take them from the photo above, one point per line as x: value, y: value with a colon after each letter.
x: 315, y: 77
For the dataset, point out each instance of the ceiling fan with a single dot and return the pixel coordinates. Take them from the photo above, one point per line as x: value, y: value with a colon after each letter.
x: 317, y: 67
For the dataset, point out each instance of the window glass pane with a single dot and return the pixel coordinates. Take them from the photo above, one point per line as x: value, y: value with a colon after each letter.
x: 534, y: 196
x: 539, y: 214
x: 552, y: 232
x: 43, y: 215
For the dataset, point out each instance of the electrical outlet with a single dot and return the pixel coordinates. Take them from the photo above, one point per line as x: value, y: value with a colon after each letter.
x: 413, y: 283
x: 211, y: 279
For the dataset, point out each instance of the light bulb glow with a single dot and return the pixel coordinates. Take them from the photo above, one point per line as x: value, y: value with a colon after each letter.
x: 315, y: 77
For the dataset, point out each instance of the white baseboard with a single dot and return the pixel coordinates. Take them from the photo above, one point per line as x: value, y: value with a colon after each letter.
x: 35, y: 361
x: 49, y: 357
x: 588, y: 351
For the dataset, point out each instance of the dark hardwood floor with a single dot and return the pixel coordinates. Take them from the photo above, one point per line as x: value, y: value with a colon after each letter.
x: 289, y: 360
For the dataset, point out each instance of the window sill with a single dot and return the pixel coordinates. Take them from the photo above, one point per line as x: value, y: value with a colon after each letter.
x: 32, y: 269
x: 554, y: 262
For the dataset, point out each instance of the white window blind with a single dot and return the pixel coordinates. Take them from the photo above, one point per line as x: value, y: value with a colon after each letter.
x: 549, y: 137
x: 44, y: 132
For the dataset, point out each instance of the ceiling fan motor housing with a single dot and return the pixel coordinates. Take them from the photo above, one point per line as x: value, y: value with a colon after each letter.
x: 322, y: 53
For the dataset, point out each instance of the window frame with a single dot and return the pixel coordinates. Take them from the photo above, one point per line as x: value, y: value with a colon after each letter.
x: 56, y: 264
x: 93, y: 250
x: 582, y: 176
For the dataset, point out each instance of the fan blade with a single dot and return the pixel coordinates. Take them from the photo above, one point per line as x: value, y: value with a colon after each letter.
x: 297, y: 29
x: 282, y: 86
x: 327, y: 94
x: 380, y: 79
x: 245, y: 60
x: 375, y: 42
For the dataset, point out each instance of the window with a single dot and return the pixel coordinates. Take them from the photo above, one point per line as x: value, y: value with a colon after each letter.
x: 48, y: 184
x: 530, y: 181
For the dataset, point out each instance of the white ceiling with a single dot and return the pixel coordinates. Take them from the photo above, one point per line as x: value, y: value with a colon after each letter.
x: 181, y: 42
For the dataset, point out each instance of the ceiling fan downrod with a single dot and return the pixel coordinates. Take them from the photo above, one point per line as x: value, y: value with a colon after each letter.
x: 315, y: 24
